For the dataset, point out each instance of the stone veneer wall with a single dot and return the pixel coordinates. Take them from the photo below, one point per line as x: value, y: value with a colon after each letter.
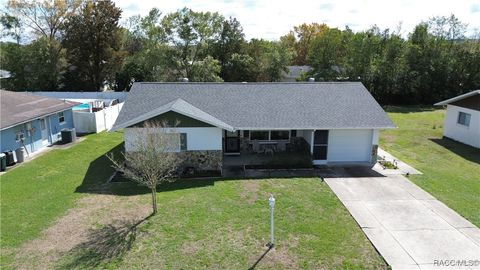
x: 202, y: 159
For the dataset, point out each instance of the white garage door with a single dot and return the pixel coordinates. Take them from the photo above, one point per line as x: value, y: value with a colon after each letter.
x: 349, y: 145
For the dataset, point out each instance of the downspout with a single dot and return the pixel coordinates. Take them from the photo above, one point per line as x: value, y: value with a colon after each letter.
x: 50, y: 129
x: 311, y: 141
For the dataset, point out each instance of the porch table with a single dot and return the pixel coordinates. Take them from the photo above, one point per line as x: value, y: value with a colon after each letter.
x: 269, y: 147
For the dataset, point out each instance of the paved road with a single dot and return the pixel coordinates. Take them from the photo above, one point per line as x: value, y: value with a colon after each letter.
x: 408, y: 226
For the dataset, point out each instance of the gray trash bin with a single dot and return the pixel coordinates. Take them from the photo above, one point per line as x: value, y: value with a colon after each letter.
x: 3, y: 162
x: 20, y: 153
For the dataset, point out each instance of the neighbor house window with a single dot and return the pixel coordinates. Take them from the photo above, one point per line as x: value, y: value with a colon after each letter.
x: 279, y: 135
x: 464, y: 119
x: 61, y: 117
x: 259, y: 135
x: 183, y: 141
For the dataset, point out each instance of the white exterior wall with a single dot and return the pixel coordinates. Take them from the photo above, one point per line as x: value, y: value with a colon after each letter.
x: 468, y: 135
x: 198, y: 138
x: 352, y: 145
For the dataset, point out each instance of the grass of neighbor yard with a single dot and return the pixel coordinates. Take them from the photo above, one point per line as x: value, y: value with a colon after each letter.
x: 451, y: 170
x: 200, y: 224
x: 33, y: 195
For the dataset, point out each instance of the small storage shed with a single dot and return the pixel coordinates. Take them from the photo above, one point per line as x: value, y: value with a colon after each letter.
x: 462, y: 121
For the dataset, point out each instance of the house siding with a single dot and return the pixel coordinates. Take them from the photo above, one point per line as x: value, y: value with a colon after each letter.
x: 33, y: 140
x: 198, y: 139
x: 468, y: 135
x: 174, y: 119
x: 204, y: 146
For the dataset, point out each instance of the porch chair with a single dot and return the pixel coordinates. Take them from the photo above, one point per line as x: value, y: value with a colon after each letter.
x: 256, y: 147
x: 282, y: 146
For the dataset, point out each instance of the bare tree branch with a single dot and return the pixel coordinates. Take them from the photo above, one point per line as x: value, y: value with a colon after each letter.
x: 153, y: 159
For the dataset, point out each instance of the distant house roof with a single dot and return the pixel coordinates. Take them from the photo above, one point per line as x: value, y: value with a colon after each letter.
x: 296, y: 71
x: 258, y: 106
x: 457, y: 98
x: 17, y: 108
x: 4, y: 74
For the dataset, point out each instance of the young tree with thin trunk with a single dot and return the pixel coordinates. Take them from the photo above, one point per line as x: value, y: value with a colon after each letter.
x: 152, y: 158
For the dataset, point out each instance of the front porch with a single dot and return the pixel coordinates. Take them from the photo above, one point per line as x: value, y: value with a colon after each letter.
x: 280, y: 164
x: 293, y: 159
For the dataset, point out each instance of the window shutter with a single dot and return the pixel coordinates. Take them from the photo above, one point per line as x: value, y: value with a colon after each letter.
x: 183, y: 141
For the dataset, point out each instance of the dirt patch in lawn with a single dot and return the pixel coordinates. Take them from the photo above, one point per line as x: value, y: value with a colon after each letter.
x: 93, y: 214
x: 250, y: 192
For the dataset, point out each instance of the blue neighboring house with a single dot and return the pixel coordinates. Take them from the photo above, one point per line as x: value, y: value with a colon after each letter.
x: 33, y: 122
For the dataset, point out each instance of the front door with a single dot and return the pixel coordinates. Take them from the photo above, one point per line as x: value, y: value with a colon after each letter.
x: 232, y: 142
x: 44, y: 131
x: 320, y: 145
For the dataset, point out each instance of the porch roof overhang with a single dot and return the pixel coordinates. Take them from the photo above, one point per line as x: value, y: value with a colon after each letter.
x: 457, y: 98
x: 179, y: 106
x: 310, y: 128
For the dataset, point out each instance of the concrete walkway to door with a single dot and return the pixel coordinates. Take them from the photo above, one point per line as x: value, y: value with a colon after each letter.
x: 408, y: 226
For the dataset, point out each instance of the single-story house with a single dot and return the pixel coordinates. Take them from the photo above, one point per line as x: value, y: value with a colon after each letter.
x: 462, y: 122
x: 31, y: 121
x: 96, y: 112
x: 295, y: 72
x: 338, y: 121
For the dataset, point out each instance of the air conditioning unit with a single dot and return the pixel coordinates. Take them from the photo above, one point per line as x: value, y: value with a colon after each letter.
x: 20, y: 136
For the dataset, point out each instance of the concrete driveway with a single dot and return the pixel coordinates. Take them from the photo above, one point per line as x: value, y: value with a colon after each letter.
x: 408, y: 226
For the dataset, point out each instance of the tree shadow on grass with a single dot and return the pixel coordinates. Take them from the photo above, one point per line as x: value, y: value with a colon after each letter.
x: 100, y: 171
x: 104, y: 245
x: 467, y: 152
x: 409, y: 109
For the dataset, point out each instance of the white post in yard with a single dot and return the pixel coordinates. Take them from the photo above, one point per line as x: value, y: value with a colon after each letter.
x: 271, y: 201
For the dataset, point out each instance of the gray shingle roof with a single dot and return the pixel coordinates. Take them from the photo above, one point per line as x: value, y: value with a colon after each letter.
x: 333, y: 105
x: 457, y: 98
x: 18, y: 107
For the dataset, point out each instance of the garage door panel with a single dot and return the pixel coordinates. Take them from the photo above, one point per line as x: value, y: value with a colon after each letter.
x: 349, y: 145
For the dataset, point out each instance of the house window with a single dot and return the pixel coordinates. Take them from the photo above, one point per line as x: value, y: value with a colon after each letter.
x: 279, y: 135
x: 293, y: 133
x: 265, y: 135
x: 61, y: 117
x: 246, y: 133
x: 259, y: 135
x: 183, y: 141
x: 464, y: 119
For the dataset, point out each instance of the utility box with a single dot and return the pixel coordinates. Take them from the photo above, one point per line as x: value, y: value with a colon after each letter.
x: 68, y: 135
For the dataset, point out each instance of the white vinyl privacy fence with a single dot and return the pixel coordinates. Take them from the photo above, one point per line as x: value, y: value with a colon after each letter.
x: 94, y: 122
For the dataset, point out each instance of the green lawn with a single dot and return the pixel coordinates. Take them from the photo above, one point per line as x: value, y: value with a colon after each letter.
x: 451, y: 170
x: 33, y: 195
x: 219, y: 224
x: 224, y: 224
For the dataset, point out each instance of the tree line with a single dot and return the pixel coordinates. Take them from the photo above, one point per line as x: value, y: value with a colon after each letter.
x: 80, y: 45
